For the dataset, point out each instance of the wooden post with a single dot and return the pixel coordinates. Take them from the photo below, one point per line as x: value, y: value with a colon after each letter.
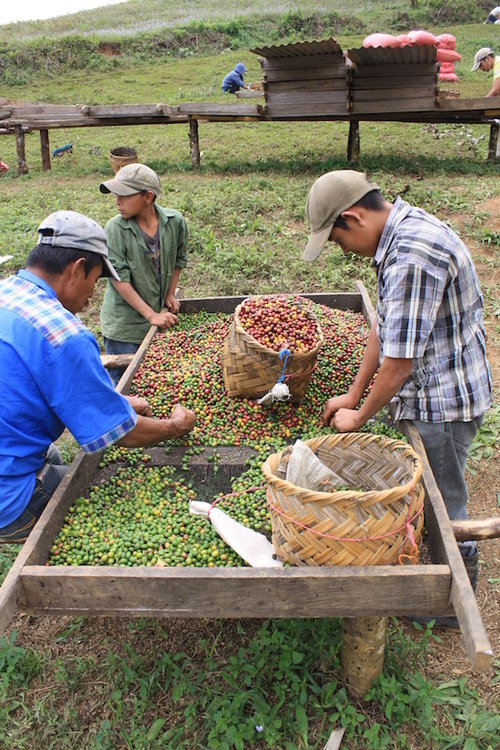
x: 362, y: 652
x: 21, y: 151
x: 494, y: 142
x: 353, y: 142
x: 194, y: 143
x: 45, y: 148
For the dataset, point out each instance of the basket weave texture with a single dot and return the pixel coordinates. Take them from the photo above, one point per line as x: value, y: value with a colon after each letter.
x: 119, y: 157
x: 250, y: 369
x: 368, y: 527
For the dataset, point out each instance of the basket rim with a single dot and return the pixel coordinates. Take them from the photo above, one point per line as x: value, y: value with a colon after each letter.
x: 294, y: 355
x: 403, y: 489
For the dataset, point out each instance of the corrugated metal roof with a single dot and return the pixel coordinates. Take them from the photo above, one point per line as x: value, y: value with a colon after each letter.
x: 392, y: 56
x: 301, y: 49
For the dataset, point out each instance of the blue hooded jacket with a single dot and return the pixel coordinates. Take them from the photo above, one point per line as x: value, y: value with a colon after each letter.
x: 234, y: 80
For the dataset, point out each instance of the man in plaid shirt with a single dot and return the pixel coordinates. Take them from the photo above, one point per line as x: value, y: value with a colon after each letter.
x: 427, y: 346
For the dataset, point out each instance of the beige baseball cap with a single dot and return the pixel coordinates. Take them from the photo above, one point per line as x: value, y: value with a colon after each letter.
x: 480, y: 55
x: 331, y: 194
x: 132, y: 178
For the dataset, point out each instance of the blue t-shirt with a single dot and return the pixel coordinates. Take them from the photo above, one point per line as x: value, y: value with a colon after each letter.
x: 51, y: 377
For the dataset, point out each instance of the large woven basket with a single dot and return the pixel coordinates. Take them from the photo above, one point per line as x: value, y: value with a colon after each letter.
x: 119, y: 157
x: 250, y: 369
x: 351, y: 527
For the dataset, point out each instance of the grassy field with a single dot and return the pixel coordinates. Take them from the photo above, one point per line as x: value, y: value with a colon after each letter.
x: 106, y: 684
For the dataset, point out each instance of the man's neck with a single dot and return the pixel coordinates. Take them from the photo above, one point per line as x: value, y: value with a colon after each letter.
x: 147, y: 220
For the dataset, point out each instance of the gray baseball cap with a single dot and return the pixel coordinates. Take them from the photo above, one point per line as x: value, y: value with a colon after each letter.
x: 330, y: 195
x: 78, y: 232
x: 132, y: 178
x: 480, y: 55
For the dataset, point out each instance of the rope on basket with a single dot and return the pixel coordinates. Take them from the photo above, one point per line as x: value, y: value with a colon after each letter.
x: 413, y: 556
x: 280, y: 390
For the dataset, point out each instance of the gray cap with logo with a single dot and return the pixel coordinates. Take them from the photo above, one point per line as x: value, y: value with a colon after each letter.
x: 77, y: 232
x: 132, y: 178
x: 330, y: 195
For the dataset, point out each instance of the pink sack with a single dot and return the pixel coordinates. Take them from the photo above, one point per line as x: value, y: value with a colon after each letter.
x: 447, y: 68
x: 381, y: 40
x: 446, y: 41
x: 447, y: 55
x: 421, y: 38
x: 448, y: 77
x: 404, y: 39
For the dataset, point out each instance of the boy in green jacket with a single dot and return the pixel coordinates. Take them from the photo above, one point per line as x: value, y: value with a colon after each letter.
x: 148, y: 248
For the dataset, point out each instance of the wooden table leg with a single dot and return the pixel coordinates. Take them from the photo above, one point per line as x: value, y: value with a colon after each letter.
x: 353, y: 142
x: 362, y: 652
x: 21, y: 151
x: 494, y: 142
x: 45, y: 148
x: 194, y: 143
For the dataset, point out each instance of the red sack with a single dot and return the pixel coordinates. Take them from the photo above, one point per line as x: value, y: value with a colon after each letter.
x: 404, y: 39
x: 381, y: 40
x: 421, y: 38
x: 446, y: 41
x: 447, y: 55
x: 447, y: 68
x: 448, y: 77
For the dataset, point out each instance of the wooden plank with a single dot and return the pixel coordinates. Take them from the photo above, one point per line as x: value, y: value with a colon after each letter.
x: 311, y: 97
x: 400, y: 71
x: 479, y: 528
x: 116, y: 360
x: 36, y: 549
x: 237, y: 592
x: 363, y: 82
x: 366, y: 304
x: 21, y: 151
x: 202, y: 109
x: 389, y: 106
x: 392, y: 93
x: 304, y: 74
x: 303, y: 110
x: 323, y: 84
x: 443, y: 540
x: 129, y: 110
x: 45, y: 149
x: 303, y: 61
x: 338, y: 300
x: 486, y: 104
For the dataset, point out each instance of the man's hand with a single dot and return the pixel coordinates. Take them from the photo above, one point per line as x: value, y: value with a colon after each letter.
x: 163, y: 319
x: 139, y: 405
x: 346, y: 420
x: 333, y: 405
x: 172, y: 303
x: 182, y: 419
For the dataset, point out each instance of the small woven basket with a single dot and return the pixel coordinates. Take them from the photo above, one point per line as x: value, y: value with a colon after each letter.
x: 250, y: 369
x: 349, y: 527
x: 119, y: 157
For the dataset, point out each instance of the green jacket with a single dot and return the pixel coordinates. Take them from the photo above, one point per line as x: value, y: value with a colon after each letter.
x: 134, y: 263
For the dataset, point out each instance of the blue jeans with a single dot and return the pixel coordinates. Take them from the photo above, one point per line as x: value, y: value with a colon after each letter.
x: 46, y: 483
x: 118, y: 347
x: 447, y: 446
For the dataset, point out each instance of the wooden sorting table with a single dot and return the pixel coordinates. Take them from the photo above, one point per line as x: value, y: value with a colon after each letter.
x: 348, y: 592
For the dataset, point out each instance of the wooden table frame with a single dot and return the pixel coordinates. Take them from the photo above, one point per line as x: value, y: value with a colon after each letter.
x: 348, y: 592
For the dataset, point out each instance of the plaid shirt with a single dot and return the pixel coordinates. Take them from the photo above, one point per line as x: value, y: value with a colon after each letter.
x: 429, y: 309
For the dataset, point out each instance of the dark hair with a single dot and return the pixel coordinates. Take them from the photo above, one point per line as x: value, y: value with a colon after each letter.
x: 372, y: 201
x: 54, y: 260
x: 145, y: 192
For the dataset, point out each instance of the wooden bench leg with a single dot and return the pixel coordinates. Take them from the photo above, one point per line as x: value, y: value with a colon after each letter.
x: 21, y: 151
x: 194, y: 143
x: 45, y: 148
x: 362, y: 652
x: 353, y: 142
x: 494, y: 142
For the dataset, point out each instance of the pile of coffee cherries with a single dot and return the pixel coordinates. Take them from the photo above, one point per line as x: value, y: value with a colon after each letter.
x: 279, y: 322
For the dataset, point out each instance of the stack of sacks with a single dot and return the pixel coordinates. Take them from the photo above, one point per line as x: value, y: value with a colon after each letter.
x: 445, y: 44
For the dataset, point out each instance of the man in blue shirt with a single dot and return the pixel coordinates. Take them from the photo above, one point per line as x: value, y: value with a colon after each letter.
x: 51, y: 374
x: 233, y: 82
x: 427, y: 345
